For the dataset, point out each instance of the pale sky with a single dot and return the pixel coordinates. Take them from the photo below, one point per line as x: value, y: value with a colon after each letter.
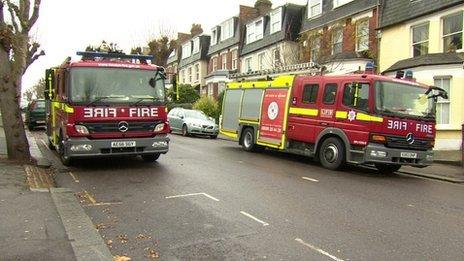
x: 67, y: 26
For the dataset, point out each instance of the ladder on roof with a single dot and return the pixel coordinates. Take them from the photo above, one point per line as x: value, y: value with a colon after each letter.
x: 310, y: 68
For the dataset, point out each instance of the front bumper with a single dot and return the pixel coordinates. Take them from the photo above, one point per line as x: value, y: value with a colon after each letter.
x: 378, y: 153
x: 84, y: 147
x: 202, y: 131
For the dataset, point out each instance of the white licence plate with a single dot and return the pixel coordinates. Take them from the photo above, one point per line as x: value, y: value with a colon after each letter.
x: 409, y: 155
x: 122, y: 144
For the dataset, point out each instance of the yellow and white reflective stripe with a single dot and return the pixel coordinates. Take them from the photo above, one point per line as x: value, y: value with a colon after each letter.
x: 285, y: 81
x: 341, y: 114
x: 254, y: 122
x: 366, y: 117
x: 303, y: 111
x: 229, y: 134
x: 359, y: 116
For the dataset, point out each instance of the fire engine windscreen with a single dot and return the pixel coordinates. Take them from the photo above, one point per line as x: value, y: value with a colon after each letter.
x: 116, y: 85
x: 393, y: 98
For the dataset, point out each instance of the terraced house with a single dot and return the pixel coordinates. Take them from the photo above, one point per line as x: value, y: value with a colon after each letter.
x: 340, y: 34
x: 426, y: 37
x: 193, y: 62
x: 223, y: 55
x: 270, y: 39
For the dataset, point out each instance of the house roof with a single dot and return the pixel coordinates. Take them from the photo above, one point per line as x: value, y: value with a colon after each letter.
x: 221, y: 45
x: 396, y: 11
x: 174, y: 58
x: 201, y: 55
x: 330, y: 14
x: 427, y: 60
x: 291, y: 23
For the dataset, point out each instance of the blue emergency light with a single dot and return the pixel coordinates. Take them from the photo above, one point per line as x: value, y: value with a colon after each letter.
x: 115, y: 55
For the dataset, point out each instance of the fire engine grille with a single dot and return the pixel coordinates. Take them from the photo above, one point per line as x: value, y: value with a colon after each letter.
x: 98, y: 127
x: 209, y: 127
x: 401, y: 143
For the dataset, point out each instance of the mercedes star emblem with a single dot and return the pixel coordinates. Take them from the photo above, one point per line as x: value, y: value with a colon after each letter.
x: 123, y: 126
x: 410, y: 138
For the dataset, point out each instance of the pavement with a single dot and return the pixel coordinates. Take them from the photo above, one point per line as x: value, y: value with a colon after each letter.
x: 39, y: 221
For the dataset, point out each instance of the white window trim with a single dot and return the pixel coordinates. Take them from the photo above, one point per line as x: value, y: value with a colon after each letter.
x: 261, y: 63
x: 276, y: 14
x: 186, y: 46
x: 337, y: 4
x: 234, y: 59
x: 356, y: 38
x: 449, y: 125
x: 214, y: 40
x: 412, y: 35
x: 196, y: 45
x: 442, y: 24
x: 224, y: 61
x: 312, y: 3
x: 253, y: 26
x: 245, y: 64
x: 197, y: 71
x: 332, y: 43
x: 230, y: 24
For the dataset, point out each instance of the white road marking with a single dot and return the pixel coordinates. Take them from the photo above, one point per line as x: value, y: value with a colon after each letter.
x: 254, y: 218
x: 193, y: 194
x: 73, y: 177
x: 299, y: 240
x: 310, y: 179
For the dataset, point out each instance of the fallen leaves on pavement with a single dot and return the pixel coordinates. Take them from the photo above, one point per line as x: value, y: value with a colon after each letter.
x: 121, y: 258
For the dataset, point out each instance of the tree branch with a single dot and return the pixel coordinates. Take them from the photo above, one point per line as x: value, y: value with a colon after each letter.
x: 32, y: 54
x: 34, y: 16
x: 14, y: 12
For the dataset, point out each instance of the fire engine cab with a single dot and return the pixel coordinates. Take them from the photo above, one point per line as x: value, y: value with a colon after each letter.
x: 107, y: 104
x: 359, y: 118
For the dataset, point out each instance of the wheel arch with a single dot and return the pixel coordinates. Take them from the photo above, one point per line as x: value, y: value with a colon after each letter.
x: 242, y: 128
x: 333, y: 132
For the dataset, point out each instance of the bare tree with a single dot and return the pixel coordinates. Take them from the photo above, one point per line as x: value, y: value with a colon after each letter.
x: 17, y: 52
x: 36, y: 91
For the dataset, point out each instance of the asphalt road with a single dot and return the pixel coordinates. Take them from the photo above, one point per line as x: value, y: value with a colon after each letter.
x: 207, y: 199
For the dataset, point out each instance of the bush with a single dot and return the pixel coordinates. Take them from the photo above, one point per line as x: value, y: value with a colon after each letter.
x: 208, y: 105
x: 187, y: 94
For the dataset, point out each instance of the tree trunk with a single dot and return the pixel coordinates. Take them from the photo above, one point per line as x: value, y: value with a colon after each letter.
x: 10, y: 95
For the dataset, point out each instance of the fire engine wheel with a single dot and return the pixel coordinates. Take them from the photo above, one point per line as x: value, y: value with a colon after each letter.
x: 150, y: 157
x: 65, y: 159
x: 387, y: 168
x: 332, y: 154
x: 30, y: 126
x: 248, y: 141
x: 185, y: 131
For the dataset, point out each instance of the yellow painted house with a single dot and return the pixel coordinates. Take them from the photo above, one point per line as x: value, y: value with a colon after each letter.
x: 426, y: 37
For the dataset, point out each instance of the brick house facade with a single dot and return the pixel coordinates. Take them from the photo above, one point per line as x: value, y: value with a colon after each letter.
x: 340, y: 35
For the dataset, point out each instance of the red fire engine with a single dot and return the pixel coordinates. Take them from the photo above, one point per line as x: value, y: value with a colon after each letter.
x: 107, y: 104
x: 360, y: 118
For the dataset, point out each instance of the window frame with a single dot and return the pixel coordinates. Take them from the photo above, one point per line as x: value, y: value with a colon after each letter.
x: 441, y: 101
x: 197, y: 72
x: 443, y: 36
x: 311, y: 4
x: 214, y: 36
x: 345, y: 85
x: 253, y: 33
x: 276, y: 19
x: 189, y: 71
x: 215, y: 63
x: 338, y: 3
x: 276, y: 62
x: 234, y: 59
x: 427, y: 23
x: 312, y: 92
x: 224, y: 61
x: 333, y: 43
x: 196, y: 45
x: 186, y: 46
x: 227, y: 29
x: 358, y: 35
x: 248, y: 62
x: 315, y: 49
x: 326, y: 85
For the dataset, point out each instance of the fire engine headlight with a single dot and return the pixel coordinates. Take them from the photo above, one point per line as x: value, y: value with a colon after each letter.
x: 82, y: 129
x: 81, y: 147
x: 159, y: 127
x: 378, y: 153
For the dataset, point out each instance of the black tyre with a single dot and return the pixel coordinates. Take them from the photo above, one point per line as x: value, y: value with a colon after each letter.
x: 248, y: 141
x: 213, y: 136
x: 332, y: 154
x: 65, y: 159
x: 185, y: 132
x: 387, y: 168
x: 150, y: 157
